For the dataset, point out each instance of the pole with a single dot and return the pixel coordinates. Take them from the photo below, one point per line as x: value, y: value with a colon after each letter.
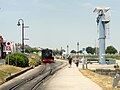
x: 22, y: 37
x: 22, y: 33
x: 8, y: 57
x: 101, y: 21
x: 102, y: 39
x: 77, y: 48
x: 61, y: 52
x: 67, y: 50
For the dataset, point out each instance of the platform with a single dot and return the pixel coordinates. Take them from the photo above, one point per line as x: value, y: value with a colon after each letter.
x: 70, y: 79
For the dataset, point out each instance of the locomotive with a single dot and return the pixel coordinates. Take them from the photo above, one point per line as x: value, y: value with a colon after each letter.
x: 47, y: 56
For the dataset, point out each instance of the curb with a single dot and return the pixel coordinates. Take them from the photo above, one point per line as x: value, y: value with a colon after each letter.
x: 17, y: 74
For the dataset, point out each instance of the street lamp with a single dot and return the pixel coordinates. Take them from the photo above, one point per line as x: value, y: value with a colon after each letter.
x: 67, y: 50
x: 78, y: 48
x: 22, y: 32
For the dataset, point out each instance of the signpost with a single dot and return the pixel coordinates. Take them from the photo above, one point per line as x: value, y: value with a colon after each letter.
x: 8, y: 49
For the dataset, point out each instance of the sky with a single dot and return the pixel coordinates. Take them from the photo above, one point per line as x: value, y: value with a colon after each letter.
x: 57, y: 23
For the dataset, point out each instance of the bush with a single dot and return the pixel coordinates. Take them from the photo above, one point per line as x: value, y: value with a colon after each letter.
x: 33, y: 62
x: 17, y: 59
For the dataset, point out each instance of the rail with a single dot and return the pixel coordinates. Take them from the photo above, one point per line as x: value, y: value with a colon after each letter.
x: 34, y: 82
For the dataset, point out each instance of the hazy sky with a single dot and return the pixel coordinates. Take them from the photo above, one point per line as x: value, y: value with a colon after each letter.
x: 57, y: 23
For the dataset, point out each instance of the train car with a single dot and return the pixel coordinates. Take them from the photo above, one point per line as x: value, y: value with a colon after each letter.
x: 47, y: 56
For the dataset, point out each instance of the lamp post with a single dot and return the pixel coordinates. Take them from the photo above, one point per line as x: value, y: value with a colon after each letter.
x: 22, y: 32
x: 67, y: 50
x: 77, y: 48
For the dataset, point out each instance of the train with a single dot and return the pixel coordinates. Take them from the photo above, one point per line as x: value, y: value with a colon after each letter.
x: 47, y: 56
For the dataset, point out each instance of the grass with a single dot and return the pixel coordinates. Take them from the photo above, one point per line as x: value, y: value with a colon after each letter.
x: 7, y: 70
x: 103, y: 81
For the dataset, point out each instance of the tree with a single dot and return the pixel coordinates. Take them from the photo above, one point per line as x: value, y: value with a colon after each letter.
x: 56, y: 52
x: 61, y: 51
x: 90, y: 50
x: 29, y: 50
x: 79, y: 51
x: 73, y: 52
x: 111, y: 50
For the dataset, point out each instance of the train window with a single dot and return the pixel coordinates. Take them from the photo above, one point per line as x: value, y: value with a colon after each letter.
x: 46, y: 53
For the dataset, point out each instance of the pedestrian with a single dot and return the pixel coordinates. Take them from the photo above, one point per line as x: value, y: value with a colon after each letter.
x: 116, y: 80
x: 77, y: 61
x: 84, y: 62
x: 70, y: 61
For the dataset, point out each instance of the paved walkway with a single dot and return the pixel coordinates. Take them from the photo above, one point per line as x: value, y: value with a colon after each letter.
x: 70, y: 79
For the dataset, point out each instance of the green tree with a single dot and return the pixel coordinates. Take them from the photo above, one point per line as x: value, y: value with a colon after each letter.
x: 111, y: 50
x: 29, y: 50
x: 90, y: 50
x: 73, y: 52
x: 80, y: 51
x: 56, y: 52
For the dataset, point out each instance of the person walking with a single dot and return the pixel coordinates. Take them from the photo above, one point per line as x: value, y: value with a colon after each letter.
x: 77, y: 61
x: 84, y: 62
x: 70, y: 61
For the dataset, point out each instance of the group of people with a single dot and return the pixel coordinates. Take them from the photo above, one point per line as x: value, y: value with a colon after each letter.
x: 77, y: 61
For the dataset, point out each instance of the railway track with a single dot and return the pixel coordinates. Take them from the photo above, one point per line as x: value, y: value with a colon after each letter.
x: 34, y: 82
